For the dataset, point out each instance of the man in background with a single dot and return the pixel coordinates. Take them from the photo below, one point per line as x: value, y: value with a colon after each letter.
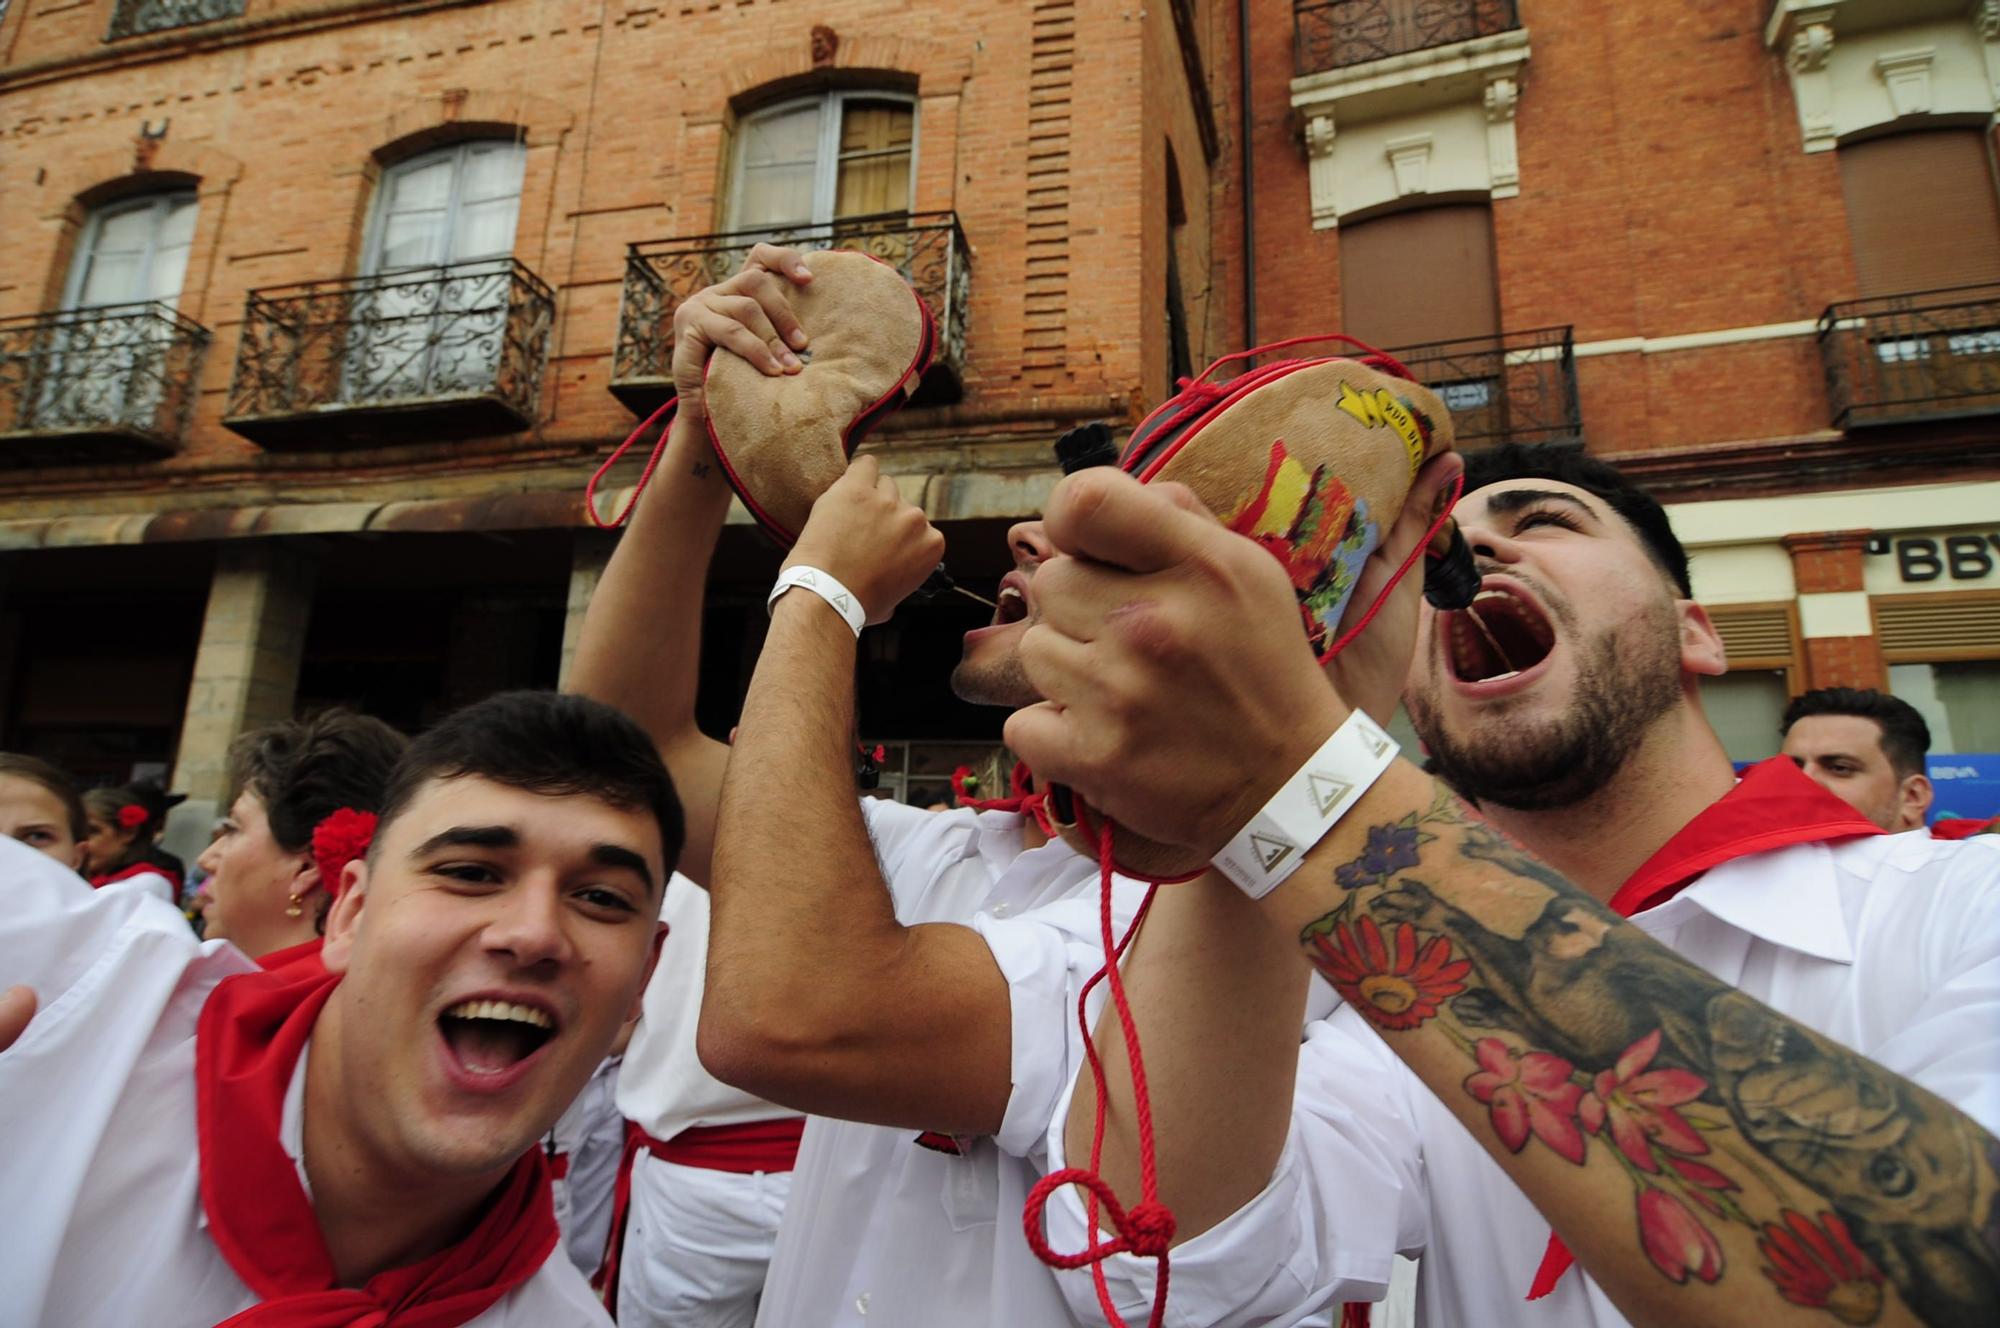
x: 1865, y: 747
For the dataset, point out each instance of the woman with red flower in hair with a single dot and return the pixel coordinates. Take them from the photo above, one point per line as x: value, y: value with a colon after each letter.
x: 117, y: 849
x: 305, y: 796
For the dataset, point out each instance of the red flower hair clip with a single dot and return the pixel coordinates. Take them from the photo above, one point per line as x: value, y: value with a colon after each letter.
x: 338, y: 840
x: 131, y: 816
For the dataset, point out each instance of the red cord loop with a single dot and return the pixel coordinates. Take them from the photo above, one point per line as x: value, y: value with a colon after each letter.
x: 1376, y: 359
x: 666, y: 410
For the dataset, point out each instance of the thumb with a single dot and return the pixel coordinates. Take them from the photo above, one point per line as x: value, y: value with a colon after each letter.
x: 1109, y: 517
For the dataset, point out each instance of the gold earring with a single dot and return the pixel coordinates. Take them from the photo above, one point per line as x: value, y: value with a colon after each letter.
x: 297, y: 909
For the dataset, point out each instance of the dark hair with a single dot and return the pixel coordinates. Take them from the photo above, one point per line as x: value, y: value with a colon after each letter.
x: 1571, y: 465
x: 1905, y: 736
x: 548, y: 743
x: 37, y: 771
x: 106, y: 803
x: 305, y: 770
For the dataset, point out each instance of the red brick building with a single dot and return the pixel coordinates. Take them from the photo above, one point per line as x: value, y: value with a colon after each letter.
x: 1745, y: 248
x: 315, y: 316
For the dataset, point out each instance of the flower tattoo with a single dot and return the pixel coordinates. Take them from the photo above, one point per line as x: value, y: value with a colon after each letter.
x: 1395, y: 982
x: 1529, y: 1092
x: 1390, y: 849
x: 1818, y: 1265
x: 1675, y: 1239
x: 1637, y: 1105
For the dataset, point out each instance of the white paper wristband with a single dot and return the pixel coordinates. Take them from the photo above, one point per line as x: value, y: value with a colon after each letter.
x: 822, y: 584
x: 1266, y: 851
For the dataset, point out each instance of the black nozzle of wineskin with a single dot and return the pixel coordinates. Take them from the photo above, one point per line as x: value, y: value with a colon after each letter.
x: 1085, y: 446
x: 1451, y: 580
x: 939, y: 582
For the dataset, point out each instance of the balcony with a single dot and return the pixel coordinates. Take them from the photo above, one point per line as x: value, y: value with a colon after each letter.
x: 1333, y: 34
x: 441, y: 352
x: 108, y: 384
x: 1517, y: 387
x: 1926, y: 356
x: 928, y: 248
x: 134, y: 18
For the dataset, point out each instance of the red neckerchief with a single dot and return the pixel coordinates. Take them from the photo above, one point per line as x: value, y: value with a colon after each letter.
x: 1773, y: 806
x: 292, y: 954
x: 1025, y: 800
x: 137, y: 869
x: 247, y: 1044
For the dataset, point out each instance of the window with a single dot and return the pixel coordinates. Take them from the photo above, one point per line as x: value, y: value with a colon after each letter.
x: 1418, y: 277
x: 1922, y: 213
x: 1745, y: 708
x: 824, y: 159
x: 440, y: 250
x: 131, y: 251
x: 108, y: 353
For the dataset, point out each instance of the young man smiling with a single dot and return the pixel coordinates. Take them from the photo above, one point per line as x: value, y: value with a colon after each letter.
x: 1770, y: 1098
x: 193, y: 1141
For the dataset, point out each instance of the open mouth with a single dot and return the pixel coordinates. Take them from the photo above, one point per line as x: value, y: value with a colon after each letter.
x: 1499, y: 636
x: 1010, y: 602
x: 492, y: 1037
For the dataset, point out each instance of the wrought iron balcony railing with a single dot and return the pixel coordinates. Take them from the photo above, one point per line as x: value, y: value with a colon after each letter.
x: 928, y: 248
x: 457, y: 350
x: 133, y: 18
x: 1332, y: 34
x: 1517, y: 387
x: 95, y: 384
x: 1926, y: 355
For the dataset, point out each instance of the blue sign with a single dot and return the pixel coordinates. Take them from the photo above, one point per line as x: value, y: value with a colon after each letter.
x: 1965, y: 785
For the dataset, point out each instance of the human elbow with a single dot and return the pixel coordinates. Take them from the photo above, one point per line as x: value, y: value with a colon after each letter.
x: 766, y: 1052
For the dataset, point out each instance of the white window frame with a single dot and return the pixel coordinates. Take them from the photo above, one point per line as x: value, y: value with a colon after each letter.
x: 158, y: 203
x: 378, y: 221
x: 826, y: 163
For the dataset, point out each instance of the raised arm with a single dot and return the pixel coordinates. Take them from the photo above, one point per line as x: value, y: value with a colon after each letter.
x: 641, y: 644
x: 1661, y: 1119
x: 817, y: 998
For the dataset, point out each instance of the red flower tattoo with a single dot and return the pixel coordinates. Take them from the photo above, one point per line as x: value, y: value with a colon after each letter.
x: 1638, y: 1105
x: 1529, y: 1093
x: 1395, y: 982
x: 1820, y: 1267
x: 1675, y: 1239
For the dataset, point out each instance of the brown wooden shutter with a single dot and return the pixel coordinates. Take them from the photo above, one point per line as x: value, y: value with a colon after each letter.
x: 1922, y: 211
x: 1925, y: 629
x: 1757, y: 636
x: 1417, y: 277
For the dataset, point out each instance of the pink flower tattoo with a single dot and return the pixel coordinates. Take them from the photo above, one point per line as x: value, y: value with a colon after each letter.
x: 1529, y: 1093
x: 1638, y: 1104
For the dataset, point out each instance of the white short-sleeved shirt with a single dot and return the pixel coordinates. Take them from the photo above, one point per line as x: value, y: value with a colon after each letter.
x: 883, y: 1233
x: 1889, y: 945
x: 101, y: 1176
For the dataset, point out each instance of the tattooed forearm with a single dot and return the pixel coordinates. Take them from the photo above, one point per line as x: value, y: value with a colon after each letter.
x: 1584, y: 1036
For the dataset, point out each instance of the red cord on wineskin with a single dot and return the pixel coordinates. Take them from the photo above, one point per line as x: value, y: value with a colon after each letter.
x: 666, y: 410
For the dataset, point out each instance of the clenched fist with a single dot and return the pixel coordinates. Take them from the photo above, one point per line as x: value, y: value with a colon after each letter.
x: 878, y: 546
x: 1180, y: 691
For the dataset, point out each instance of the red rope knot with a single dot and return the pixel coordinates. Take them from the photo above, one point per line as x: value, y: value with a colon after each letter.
x: 1149, y: 1230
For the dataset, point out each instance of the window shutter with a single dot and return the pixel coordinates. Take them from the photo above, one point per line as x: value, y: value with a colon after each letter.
x: 1918, y: 629
x: 1418, y: 277
x: 1755, y: 635
x: 1921, y: 211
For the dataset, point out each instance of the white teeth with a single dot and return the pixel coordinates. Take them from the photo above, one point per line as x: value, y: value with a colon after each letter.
x: 1009, y: 591
x: 520, y: 1014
